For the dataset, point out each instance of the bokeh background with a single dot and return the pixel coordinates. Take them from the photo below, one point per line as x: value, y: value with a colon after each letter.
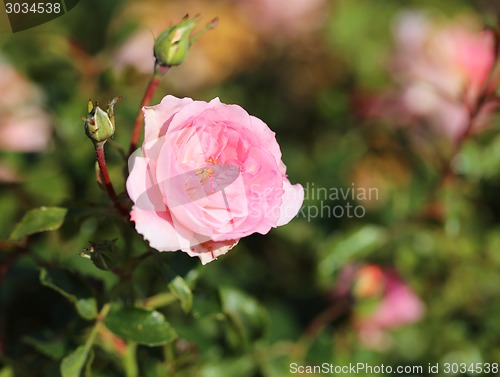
x: 361, y: 94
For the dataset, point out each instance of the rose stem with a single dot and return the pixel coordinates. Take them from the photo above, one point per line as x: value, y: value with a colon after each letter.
x: 484, y: 96
x: 148, y: 94
x: 101, y: 160
x: 332, y: 313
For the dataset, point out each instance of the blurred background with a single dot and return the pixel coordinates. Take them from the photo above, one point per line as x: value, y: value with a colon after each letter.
x: 385, y: 113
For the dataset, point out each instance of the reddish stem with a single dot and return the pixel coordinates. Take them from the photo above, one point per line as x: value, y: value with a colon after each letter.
x: 101, y: 160
x: 148, y: 95
x: 325, y: 317
x: 447, y: 170
x: 486, y: 94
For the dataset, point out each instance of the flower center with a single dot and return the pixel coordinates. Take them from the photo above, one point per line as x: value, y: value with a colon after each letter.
x: 207, y: 172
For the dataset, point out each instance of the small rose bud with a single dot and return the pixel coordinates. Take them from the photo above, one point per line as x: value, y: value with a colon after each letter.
x: 99, y: 124
x: 103, y: 254
x: 171, y: 46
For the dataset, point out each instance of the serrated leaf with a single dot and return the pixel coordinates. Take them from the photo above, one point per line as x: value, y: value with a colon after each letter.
x: 147, y: 327
x: 45, y: 219
x: 179, y: 287
x: 73, y: 288
x: 72, y: 364
x: 38, y: 220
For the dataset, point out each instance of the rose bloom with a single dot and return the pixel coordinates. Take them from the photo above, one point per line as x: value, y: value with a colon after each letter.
x: 278, y: 19
x: 442, y: 68
x: 207, y: 175
x: 24, y: 125
x: 398, y: 305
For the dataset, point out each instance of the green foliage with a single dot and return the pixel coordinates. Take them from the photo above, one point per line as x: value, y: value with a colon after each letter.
x: 148, y: 327
x: 290, y: 296
x: 73, y: 364
x: 53, y: 348
x: 181, y: 290
x: 347, y: 248
x: 72, y: 288
x: 246, y: 318
x: 38, y: 220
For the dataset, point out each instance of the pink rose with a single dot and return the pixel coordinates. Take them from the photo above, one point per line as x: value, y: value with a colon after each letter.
x: 443, y: 68
x: 276, y: 19
x: 24, y: 125
x: 207, y: 175
x: 398, y: 306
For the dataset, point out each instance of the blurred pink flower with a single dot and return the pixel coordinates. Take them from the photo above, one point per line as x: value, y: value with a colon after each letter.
x: 26, y: 131
x: 136, y: 51
x: 24, y: 125
x: 278, y: 19
x: 442, y: 68
x: 397, y: 306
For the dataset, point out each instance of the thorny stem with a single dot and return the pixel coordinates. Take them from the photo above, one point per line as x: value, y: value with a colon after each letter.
x: 101, y: 160
x: 148, y: 95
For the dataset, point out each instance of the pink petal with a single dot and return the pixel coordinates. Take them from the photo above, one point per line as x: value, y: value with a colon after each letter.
x: 151, y: 218
x: 191, y: 109
x: 210, y: 250
x: 157, y: 118
x: 157, y: 230
x: 291, y: 202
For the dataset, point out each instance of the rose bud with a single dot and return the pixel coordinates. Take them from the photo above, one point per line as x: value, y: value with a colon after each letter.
x: 172, y: 46
x: 103, y: 254
x: 99, y: 124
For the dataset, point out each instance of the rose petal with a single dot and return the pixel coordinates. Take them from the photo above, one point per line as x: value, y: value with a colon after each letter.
x: 209, y: 251
x: 291, y: 202
x: 193, y: 109
x: 158, y: 230
x: 157, y: 118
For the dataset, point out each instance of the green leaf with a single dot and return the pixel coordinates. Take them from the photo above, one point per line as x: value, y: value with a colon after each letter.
x: 242, y: 366
x: 147, y: 327
x: 73, y: 288
x: 247, y: 318
x: 7, y: 372
x: 343, y: 248
x: 51, y: 348
x: 72, y: 364
x: 38, y: 220
x: 179, y: 287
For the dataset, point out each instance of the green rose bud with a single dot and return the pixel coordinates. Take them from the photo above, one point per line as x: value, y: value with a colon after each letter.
x: 171, y: 46
x: 103, y: 254
x: 99, y: 124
